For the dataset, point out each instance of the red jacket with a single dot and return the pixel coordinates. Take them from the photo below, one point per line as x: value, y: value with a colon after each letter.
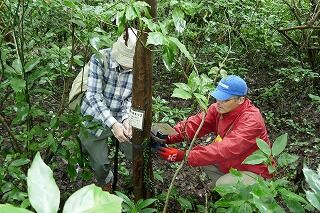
x: 238, y: 129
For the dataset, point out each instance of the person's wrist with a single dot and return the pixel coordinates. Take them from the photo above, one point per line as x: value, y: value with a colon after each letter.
x: 115, y: 125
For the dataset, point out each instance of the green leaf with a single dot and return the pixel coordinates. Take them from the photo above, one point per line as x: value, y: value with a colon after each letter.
x: 144, y: 203
x: 294, y: 206
x: 183, y: 86
x: 225, y: 189
x: 178, y: 20
x: 125, y: 199
x: 91, y: 199
x: 20, y: 162
x: 291, y: 196
x: 31, y: 64
x: 95, y: 43
x: 279, y: 144
x: 169, y: 53
x: 312, y: 178
x: 10, y: 70
x: 180, y: 93
x: 156, y: 38
x: 286, y: 159
x: 235, y: 172
x: 148, y: 210
x: 194, y: 81
x: 271, y: 169
x: 78, y: 22
x: 17, y: 66
x: 185, y: 204
x: 130, y: 13
x: 18, y: 84
x: 267, y: 205
x: 202, y: 101
x: 263, y: 146
x: 257, y: 157
x: 43, y: 191
x: 182, y: 48
x: 7, y: 208
x: 314, y: 199
x: 314, y: 97
x: 150, y: 24
x: 245, y: 208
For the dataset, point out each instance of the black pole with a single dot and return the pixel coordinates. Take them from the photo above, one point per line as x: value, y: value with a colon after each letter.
x: 115, y: 164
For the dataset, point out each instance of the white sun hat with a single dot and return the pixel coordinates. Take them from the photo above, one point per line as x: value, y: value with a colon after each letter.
x: 123, y: 53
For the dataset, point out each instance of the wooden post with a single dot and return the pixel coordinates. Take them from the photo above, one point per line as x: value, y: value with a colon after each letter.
x: 142, y: 102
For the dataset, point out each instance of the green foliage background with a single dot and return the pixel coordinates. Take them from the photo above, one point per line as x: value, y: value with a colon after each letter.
x: 44, y: 44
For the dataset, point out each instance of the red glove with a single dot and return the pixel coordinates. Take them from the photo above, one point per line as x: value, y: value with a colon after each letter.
x: 171, y: 154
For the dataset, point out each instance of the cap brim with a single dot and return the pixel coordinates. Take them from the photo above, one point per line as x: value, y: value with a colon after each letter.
x: 220, y: 95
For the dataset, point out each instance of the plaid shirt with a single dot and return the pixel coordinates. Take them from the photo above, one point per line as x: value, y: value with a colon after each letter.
x: 108, y: 95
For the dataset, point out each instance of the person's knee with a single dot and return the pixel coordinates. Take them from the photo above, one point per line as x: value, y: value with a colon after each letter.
x: 248, y: 178
x: 102, y: 171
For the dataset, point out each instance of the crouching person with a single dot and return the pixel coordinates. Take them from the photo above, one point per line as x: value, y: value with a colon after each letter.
x: 235, y: 122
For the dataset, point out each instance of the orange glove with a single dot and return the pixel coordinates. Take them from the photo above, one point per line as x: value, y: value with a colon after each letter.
x: 171, y: 154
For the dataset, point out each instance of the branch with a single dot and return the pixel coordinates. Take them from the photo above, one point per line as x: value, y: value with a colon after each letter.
x: 315, y: 17
x: 15, y: 144
x: 182, y: 163
x: 65, y: 81
x: 293, y: 11
x: 288, y: 38
x: 301, y: 27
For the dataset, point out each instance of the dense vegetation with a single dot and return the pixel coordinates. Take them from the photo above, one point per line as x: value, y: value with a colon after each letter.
x: 273, y: 44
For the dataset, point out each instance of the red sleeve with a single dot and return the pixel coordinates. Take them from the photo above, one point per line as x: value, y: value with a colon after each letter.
x: 187, y: 128
x: 237, y: 142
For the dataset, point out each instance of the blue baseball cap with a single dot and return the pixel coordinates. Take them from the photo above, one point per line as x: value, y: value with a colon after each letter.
x: 230, y: 86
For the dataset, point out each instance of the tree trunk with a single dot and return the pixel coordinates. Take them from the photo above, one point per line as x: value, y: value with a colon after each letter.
x: 142, y: 102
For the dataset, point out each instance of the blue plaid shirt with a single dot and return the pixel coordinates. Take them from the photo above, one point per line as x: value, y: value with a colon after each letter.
x: 108, y: 95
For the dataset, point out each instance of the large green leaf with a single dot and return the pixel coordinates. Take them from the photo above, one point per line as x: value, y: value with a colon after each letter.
x: 294, y: 206
x: 314, y: 199
x: 182, y: 48
x: 91, y: 199
x: 178, y: 20
x: 149, y: 23
x: 17, y: 66
x: 43, y: 191
x: 7, y: 208
x: 291, y: 196
x: 95, y: 42
x: 312, y: 178
x: 256, y: 158
x: 279, y: 144
x: 183, y: 86
x: 18, y: 84
x: 181, y: 93
x: 263, y: 146
x: 194, y: 81
x: 286, y: 159
x: 31, y: 64
x: 185, y: 204
x: 20, y: 162
x: 202, y: 101
x: 245, y: 208
x: 155, y: 38
x: 267, y: 205
x: 131, y: 13
x: 142, y: 204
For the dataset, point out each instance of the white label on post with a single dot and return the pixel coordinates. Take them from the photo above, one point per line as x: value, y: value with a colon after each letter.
x: 136, y: 118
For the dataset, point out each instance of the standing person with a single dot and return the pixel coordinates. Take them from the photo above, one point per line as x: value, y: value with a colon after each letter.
x: 235, y: 122
x: 108, y: 100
